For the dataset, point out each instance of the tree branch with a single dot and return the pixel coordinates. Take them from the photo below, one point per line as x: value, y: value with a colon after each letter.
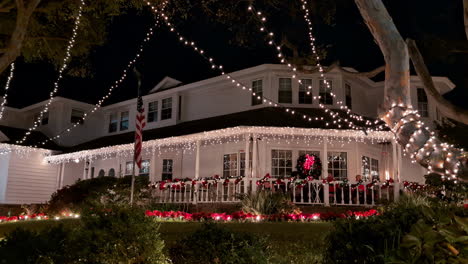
x: 465, y: 16
x: 449, y: 110
x: 369, y: 74
x: 13, y: 49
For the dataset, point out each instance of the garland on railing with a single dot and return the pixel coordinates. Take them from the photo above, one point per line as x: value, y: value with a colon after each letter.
x: 177, y: 184
x: 248, y: 217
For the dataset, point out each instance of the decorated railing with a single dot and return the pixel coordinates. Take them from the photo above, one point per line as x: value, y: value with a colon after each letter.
x: 316, y: 192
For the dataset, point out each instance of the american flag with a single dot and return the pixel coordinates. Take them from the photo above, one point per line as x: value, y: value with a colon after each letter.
x: 140, y: 123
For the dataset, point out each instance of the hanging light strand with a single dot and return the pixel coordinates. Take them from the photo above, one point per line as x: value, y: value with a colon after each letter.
x: 368, y: 125
x: 66, y: 59
x: 116, y: 84
x: 7, y: 87
x: 244, y: 87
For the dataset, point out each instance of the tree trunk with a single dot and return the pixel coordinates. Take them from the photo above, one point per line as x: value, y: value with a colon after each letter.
x: 396, y: 110
x: 13, y: 49
x: 449, y: 110
x: 465, y: 16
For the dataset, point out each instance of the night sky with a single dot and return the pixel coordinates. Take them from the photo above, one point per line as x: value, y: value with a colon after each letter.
x: 348, y: 41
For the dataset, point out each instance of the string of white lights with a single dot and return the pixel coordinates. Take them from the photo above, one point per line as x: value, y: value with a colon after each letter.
x: 333, y: 114
x: 71, y: 44
x: 240, y: 85
x: 227, y: 135
x: 116, y: 84
x: 7, y: 86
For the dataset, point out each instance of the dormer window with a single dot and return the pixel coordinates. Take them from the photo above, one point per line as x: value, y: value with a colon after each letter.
x: 124, y: 120
x: 113, y: 122
x: 153, y: 112
x: 305, y: 91
x: 325, y: 92
x: 349, y: 102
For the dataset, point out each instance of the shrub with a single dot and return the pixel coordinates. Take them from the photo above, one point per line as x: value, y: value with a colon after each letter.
x: 111, y: 235
x: 266, y: 202
x: 92, y: 192
x: 375, y: 239
x: 212, y: 244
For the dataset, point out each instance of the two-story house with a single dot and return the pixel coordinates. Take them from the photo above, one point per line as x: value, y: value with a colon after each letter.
x: 212, y: 127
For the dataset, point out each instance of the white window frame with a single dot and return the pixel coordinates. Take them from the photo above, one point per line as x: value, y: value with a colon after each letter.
x: 78, y: 117
x: 153, y: 111
x: 166, y: 108
x: 258, y: 92
x: 340, y: 169
x: 284, y: 87
x: 122, y: 120
x: 304, y: 88
x: 167, y: 169
x: 282, y: 169
x: 423, y: 105
x: 324, y: 93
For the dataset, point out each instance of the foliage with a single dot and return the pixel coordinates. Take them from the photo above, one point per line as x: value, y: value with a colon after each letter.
x: 114, y: 235
x: 95, y: 192
x: 445, y: 190
x: 119, y: 235
x: 213, y: 244
x: 264, y: 202
x: 23, y: 246
x: 376, y: 239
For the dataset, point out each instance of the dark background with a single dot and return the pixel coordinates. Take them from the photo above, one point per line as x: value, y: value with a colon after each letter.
x: 346, y: 40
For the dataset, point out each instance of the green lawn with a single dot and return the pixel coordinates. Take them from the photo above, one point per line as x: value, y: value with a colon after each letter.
x: 290, y: 242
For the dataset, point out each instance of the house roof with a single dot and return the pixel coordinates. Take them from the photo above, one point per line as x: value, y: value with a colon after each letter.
x: 13, y: 134
x: 165, y: 84
x: 268, y: 116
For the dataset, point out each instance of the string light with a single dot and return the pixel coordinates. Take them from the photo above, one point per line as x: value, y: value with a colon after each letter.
x: 7, y: 86
x: 293, y: 68
x: 116, y: 84
x: 71, y: 44
x: 222, y: 136
x: 240, y: 85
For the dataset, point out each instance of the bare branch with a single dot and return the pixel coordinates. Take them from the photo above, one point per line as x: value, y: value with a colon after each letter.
x: 445, y: 106
x: 465, y: 16
x: 368, y: 74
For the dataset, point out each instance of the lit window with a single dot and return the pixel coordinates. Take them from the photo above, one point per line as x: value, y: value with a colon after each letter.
x: 285, y: 91
x: 325, y: 92
x: 349, y: 103
x: 113, y: 123
x: 305, y: 91
x: 422, y: 103
x: 145, y: 167
x: 166, y: 110
x: 124, y: 120
x: 153, y: 111
x: 76, y: 116
x: 257, y: 88
x: 167, y: 169
x: 370, y: 168
x: 281, y: 163
x: 337, y: 165
x: 129, y: 168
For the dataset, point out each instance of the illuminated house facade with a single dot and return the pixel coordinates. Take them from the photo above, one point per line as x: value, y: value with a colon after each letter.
x: 213, y: 127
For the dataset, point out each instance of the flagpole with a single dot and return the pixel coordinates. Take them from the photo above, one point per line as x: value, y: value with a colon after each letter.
x: 132, y: 187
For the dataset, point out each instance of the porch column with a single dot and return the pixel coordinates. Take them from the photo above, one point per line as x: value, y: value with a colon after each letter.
x: 153, y: 167
x: 400, y: 163
x: 358, y: 162
x: 394, y: 161
x: 248, y: 173
x: 254, y: 161
x: 324, y: 158
x: 84, y: 169
x: 197, y: 161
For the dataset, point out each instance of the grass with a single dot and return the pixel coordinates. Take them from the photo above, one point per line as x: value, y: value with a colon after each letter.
x: 289, y: 242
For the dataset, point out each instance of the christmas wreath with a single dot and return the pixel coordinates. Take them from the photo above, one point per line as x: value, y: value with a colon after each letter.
x: 309, y: 166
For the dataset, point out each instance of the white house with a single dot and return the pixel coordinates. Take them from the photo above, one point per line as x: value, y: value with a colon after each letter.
x: 212, y: 127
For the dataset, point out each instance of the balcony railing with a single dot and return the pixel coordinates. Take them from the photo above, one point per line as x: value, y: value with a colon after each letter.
x: 314, y: 192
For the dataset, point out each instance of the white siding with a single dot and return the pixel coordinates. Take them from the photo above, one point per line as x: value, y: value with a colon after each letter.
x: 30, y: 180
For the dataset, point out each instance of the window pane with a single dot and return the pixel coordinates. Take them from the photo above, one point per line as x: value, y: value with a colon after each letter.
x: 337, y: 165
x: 113, y: 123
x: 124, y: 120
x: 348, y: 95
x: 325, y: 92
x: 153, y: 111
x: 281, y: 163
x: 145, y: 167
x: 285, y: 91
x: 166, y: 110
x: 422, y: 102
x: 76, y: 116
x: 129, y: 168
x: 305, y: 91
x: 167, y: 169
x: 257, y: 88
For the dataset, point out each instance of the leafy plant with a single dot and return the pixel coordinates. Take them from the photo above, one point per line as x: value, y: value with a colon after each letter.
x: 212, y: 244
x: 267, y: 202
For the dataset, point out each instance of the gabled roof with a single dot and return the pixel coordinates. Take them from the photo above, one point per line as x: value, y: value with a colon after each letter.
x: 268, y: 116
x: 165, y: 84
x: 13, y: 134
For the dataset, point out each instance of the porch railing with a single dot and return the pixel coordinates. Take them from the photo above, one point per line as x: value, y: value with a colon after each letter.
x: 312, y: 192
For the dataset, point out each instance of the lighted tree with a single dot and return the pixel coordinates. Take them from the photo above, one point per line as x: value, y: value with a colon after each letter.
x: 396, y: 110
